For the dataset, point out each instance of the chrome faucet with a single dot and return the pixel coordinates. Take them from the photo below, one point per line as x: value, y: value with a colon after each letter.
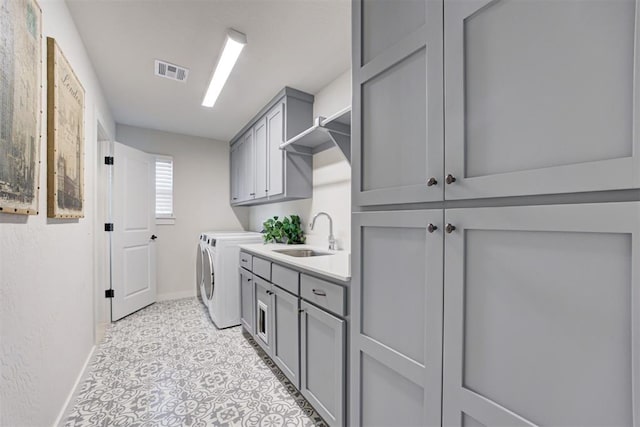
x: 332, y: 240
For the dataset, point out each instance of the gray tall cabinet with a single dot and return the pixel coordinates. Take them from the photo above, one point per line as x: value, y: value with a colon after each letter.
x: 496, y: 212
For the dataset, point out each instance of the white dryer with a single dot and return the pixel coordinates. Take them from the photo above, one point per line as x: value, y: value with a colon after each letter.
x: 221, y: 283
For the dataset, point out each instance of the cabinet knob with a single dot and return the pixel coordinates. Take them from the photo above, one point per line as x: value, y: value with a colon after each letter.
x: 431, y: 228
x: 252, y: 194
x: 450, y: 179
x: 431, y: 182
x: 301, y: 310
x: 449, y: 228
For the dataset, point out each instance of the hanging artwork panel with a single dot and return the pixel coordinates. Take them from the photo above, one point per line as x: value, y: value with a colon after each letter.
x: 65, y: 137
x: 20, y: 105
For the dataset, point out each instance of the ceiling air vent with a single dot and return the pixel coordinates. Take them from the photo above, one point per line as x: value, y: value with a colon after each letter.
x: 171, y: 71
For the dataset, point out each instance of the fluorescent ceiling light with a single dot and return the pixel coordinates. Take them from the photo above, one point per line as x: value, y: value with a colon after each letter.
x: 230, y: 52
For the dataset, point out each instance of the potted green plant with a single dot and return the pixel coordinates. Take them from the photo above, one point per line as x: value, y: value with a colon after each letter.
x: 288, y: 230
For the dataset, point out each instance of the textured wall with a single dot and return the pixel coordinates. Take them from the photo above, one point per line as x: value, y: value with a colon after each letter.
x: 46, y: 270
x: 201, y: 202
x: 331, y: 180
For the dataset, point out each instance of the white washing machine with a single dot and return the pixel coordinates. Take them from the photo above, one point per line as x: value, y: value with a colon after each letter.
x: 221, y: 284
x: 200, y: 258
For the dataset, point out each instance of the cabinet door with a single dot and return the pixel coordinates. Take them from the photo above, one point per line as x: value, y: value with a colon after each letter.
x: 397, y: 129
x: 323, y: 362
x: 248, y: 167
x: 542, y: 307
x: 234, y: 173
x: 275, y: 137
x: 261, y: 158
x: 396, y: 330
x: 529, y: 108
x: 263, y: 317
x: 286, y: 334
x: 247, y: 301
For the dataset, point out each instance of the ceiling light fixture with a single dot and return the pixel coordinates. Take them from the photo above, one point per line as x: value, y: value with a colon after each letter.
x: 230, y: 52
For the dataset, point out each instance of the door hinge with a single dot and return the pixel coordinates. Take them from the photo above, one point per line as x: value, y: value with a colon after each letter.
x: 108, y: 160
x: 108, y: 226
x: 109, y: 293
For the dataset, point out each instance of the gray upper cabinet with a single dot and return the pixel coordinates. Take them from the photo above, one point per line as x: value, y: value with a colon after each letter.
x: 541, y: 97
x: 397, y: 121
x: 541, y: 320
x: 234, y: 170
x: 322, y: 354
x: 261, y: 158
x: 396, y: 331
x: 263, y: 173
x: 286, y: 334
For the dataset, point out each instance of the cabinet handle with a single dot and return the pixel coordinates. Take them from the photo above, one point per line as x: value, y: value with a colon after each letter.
x: 244, y: 260
x: 450, y: 179
x: 319, y: 293
x: 252, y: 194
x: 431, y: 182
x: 235, y: 198
x: 301, y: 310
x: 269, y: 292
x: 431, y: 228
x: 449, y: 228
x: 249, y: 279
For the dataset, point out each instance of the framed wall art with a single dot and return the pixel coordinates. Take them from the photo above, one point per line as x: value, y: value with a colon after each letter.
x: 20, y: 105
x: 65, y: 137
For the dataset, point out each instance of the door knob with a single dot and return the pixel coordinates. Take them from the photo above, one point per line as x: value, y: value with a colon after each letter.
x: 450, y: 179
x: 431, y: 182
x: 154, y: 237
x: 431, y: 228
x: 449, y: 228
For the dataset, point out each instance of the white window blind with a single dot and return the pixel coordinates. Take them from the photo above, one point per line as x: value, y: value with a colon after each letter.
x: 164, y: 187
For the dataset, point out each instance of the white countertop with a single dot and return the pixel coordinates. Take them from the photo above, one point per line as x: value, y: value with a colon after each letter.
x: 335, y: 266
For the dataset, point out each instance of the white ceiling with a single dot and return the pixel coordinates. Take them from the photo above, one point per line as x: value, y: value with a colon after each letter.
x: 304, y: 44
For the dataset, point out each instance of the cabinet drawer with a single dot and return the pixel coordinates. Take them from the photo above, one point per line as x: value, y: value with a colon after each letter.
x: 245, y: 260
x: 261, y: 268
x: 287, y: 279
x: 325, y: 294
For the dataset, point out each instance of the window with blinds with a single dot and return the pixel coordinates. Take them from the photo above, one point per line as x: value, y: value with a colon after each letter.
x: 164, y: 187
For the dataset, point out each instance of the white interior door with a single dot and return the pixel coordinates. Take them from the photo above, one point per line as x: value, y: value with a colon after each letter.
x: 133, y: 252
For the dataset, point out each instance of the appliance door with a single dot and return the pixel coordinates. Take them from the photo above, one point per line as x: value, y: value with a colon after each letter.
x: 199, y: 269
x: 208, y: 280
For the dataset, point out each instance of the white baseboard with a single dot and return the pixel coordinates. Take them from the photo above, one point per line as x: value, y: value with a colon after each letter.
x: 175, y: 295
x: 70, y: 398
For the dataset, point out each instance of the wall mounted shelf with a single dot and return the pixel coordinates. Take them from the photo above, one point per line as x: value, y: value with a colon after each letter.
x: 324, y: 134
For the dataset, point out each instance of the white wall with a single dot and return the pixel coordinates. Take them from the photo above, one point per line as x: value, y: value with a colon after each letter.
x: 201, y: 202
x: 47, y: 268
x: 331, y: 180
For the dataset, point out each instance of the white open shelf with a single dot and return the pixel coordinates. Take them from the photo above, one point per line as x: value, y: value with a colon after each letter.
x: 324, y: 134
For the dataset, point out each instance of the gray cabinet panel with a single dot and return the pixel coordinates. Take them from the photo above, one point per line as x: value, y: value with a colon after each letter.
x: 262, y: 268
x: 286, y: 334
x: 275, y: 137
x: 380, y: 32
x: 528, y: 109
x: 397, y: 120
x: 261, y: 158
x: 388, y: 398
x: 263, y: 314
x: 248, y: 167
x: 245, y: 260
x: 286, y: 278
x: 539, y: 313
x: 324, y: 294
x: 247, y: 301
x: 235, y: 173
x: 322, y: 361
x: 396, y: 301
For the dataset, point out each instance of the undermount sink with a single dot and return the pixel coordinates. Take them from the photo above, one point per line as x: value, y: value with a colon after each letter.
x: 301, y: 252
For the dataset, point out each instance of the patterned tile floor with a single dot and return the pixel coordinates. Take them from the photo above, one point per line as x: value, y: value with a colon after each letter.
x: 167, y: 365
